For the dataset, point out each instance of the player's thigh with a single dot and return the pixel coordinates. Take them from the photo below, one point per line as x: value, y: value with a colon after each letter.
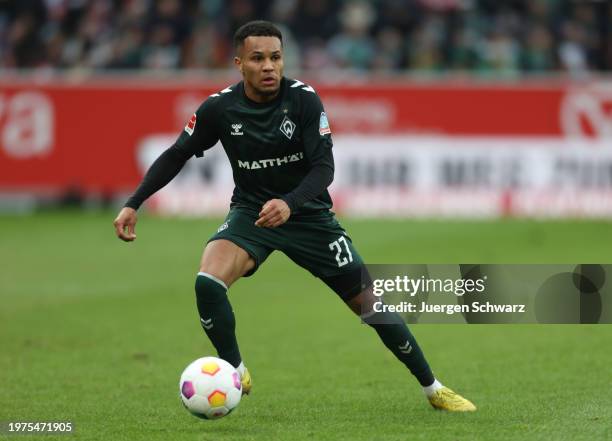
x: 320, y: 245
x: 238, y: 247
x: 226, y: 261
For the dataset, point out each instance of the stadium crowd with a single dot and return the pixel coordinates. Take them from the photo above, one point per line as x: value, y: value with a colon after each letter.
x: 485, y: 36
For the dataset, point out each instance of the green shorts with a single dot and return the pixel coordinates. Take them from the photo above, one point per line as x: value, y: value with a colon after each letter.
x: 315, y: 242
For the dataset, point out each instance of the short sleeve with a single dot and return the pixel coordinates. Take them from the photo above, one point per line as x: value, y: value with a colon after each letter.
x: 200, y: 132
x: 316, y: 131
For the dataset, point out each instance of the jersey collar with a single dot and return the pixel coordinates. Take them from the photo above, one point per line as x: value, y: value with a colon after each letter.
x: 274, y: 102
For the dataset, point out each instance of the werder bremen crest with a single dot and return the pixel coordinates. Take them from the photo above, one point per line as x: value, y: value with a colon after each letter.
x: 287, y: 127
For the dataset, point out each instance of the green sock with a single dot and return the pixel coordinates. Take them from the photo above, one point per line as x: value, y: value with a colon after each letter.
x: 396, y: 336
x: 217, y: 317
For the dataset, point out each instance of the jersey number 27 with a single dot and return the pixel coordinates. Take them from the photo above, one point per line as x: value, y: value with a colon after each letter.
x: 335, y: 246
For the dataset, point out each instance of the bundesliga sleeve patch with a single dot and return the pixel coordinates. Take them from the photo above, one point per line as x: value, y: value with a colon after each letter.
x: 191, y: 125
x: 324, y: 128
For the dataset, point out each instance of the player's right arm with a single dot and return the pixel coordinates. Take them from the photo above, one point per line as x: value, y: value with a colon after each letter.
x: 199, y: 135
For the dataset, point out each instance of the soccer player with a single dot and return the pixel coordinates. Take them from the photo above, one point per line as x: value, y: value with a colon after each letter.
x: 278, y: 140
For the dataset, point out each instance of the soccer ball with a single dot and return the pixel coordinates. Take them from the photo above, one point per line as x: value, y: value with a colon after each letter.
x: 210, y: 388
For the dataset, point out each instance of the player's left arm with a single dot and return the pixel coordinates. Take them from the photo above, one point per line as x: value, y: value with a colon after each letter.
x: 316, y: 135
x: 318, y: 153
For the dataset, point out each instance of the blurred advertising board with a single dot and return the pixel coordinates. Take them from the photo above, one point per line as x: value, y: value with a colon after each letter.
x: 452, y: 149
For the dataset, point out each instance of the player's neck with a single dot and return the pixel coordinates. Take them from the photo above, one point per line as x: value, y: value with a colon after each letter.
x: 253, y: 95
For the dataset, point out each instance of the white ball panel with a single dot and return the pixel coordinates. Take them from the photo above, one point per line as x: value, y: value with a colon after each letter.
x: 198, y: 404
x: 233, y: 398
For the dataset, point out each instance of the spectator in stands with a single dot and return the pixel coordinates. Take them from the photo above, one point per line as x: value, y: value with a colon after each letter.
x: 537, y: 54
x: 425, y: 45
x: 353, y: 47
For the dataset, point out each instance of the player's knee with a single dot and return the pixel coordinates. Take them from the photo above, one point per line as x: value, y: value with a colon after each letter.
x: 226, y: 261
x: 354, y: 304
x: 352, y: 287
x: 362, y: 303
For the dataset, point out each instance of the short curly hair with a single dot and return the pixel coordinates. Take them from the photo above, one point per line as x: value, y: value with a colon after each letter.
x: 257, y: 28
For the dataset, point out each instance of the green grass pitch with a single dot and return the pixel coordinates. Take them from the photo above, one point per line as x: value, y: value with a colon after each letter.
x: 97, y: 331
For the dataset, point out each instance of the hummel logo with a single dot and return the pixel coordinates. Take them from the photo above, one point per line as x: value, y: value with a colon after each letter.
x: 222, y: 227
x: 287, y: 127
x: 406, y: 349
x: 236, y: 128
x: 206, y: 324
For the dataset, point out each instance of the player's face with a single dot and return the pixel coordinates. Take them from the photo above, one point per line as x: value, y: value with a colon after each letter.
x: 260, y: 60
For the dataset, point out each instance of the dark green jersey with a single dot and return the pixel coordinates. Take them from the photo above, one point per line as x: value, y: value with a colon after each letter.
x: 271, y: 146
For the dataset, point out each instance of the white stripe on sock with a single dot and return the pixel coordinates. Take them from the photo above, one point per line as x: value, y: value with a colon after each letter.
x: 211, y: 277
x: 367, y: 315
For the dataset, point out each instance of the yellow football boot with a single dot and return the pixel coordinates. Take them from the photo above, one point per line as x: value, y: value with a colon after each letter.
x: 246, y: 381
x: 446, y: 399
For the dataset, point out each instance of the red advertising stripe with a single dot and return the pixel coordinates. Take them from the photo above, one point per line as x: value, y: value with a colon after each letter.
x: 57, y: 135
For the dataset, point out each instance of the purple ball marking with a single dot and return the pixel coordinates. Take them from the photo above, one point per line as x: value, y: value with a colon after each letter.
x: 237, y: 383
x: 188, y: 389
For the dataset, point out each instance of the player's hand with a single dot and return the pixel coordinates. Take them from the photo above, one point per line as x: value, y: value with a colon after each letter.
x: 275, y: 212
x: 125, y: 224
